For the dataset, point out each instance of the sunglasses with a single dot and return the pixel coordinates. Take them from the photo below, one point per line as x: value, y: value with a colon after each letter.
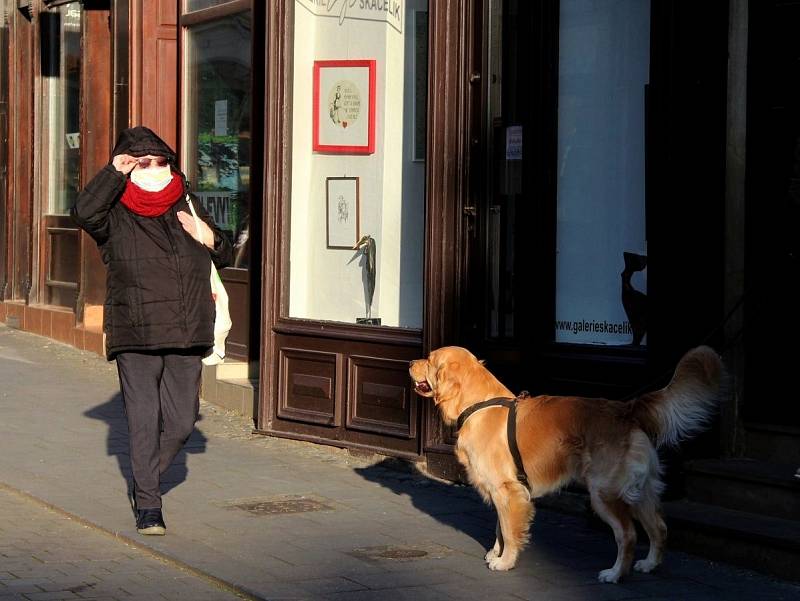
x: 145, y: 162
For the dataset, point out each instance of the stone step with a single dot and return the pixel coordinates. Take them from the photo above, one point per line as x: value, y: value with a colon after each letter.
x: 229, y: 389
x: 232, y: 370
x: 764, y: 543
x: 749, y: 485
x: 770, y: 442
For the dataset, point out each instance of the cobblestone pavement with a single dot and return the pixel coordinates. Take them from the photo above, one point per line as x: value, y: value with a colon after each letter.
x: 363, y: 528
x: 45, y: 556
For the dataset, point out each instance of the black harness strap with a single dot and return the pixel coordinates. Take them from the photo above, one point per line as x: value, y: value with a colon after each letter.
x: 496, y: 402
x: 511, y: 430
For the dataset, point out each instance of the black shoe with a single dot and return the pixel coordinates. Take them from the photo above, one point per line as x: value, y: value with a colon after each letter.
x: 150, y: 521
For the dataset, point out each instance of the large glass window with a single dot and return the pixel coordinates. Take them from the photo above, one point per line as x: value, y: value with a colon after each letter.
x: 604, y: 49
x: 216, y: 128
x: 61, y: 73
x: 60, y: 152
x: 358, y: 162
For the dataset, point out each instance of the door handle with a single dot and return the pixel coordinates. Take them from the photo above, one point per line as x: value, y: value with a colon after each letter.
x: 470, y: 210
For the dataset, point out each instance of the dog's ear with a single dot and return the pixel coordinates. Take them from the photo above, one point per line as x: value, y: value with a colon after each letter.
x: 448, y: 385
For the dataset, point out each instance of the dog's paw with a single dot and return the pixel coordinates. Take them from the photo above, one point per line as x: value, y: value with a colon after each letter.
x: 502, y: 564
x: 645, y: 566
x: 610, y: 575
x: 490, y: 555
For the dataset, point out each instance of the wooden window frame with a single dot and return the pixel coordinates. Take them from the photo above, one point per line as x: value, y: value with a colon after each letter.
x: 189, y: 18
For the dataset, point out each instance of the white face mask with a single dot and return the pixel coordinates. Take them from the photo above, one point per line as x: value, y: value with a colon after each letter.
x: 152, y: 179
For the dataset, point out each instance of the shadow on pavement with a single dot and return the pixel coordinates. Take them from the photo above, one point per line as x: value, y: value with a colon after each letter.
x: 459, y: 507
x: 578, y: 544
x: 112, y: 412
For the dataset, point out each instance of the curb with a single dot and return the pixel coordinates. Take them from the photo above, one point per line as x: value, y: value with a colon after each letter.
x: 164, y: 558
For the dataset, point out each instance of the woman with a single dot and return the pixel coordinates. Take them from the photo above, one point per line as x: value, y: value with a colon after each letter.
x: 159, y: 314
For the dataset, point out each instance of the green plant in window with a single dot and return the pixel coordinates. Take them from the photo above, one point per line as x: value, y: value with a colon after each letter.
x: 218, y: 162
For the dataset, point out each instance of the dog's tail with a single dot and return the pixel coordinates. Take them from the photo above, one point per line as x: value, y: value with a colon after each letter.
x: 684, y: 407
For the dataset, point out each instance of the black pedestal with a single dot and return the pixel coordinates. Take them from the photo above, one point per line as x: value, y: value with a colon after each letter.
x: 369, y: 321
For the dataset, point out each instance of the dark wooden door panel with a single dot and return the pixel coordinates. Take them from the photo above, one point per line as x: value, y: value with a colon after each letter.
x: 346, y: 392
x: 380, y: 398
x: 61, y: 261
x: 308, y: 387
x: 237, y: 285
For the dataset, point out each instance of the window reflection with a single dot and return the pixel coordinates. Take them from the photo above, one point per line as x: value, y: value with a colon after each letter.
x: 61, y: 67
x: 217, y: 125
x: 201, y: 4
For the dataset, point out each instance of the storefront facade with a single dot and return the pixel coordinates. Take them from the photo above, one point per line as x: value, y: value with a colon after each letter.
x: 558, y: 185
x: 548, y: 248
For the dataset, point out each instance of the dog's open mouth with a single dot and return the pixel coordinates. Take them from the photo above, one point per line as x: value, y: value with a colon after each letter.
x: 422, y: 387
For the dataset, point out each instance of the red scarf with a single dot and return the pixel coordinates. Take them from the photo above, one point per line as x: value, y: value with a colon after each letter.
x: 152, y: 204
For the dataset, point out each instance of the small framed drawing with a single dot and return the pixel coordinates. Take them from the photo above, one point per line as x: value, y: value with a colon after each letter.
x: 343, y: 119
x: 342, y: 208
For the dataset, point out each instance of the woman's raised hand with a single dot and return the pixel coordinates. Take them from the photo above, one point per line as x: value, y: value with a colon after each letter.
x: 124, y: 163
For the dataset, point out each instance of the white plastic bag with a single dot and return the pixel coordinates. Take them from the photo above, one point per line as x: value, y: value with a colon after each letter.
x: 222, y: 321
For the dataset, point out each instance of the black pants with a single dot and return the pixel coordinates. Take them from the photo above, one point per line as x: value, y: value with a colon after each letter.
x: 161, y: 392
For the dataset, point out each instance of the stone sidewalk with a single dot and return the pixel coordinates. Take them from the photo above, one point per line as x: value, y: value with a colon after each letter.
x: 267, y: 518
x: 45, y: 555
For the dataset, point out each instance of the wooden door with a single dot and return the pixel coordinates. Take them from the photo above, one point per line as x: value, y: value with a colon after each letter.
x: 154, y: 67
x: 4, y: 41
x: 772, y: 213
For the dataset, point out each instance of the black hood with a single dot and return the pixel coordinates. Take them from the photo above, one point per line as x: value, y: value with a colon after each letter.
x: 139, y: 141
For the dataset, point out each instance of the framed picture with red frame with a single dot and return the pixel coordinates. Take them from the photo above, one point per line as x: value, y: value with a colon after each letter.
x: 343, y: 120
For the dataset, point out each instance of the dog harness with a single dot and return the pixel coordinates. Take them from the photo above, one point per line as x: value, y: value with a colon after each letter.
x: 511, y: 429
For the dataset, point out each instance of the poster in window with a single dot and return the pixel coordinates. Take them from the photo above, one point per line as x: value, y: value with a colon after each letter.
x: 343, y: 116
x: 342, y: 212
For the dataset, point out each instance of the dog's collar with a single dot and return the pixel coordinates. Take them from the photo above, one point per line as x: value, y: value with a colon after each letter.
x: 511, y: 429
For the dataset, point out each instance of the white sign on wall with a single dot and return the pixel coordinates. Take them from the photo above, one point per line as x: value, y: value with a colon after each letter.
x: 221, y: 118
x: 386, y: 11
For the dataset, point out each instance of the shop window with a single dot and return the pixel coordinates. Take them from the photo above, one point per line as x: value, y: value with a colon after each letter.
x: 217, y: 128
x: 61, y: 151
x: 358, y: 162
x: 603, y: 67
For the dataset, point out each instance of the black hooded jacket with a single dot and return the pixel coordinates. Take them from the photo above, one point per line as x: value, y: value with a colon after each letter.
x: 158, y: 294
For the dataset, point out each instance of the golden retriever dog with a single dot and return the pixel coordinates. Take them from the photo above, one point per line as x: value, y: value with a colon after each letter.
x: 608, y: 446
